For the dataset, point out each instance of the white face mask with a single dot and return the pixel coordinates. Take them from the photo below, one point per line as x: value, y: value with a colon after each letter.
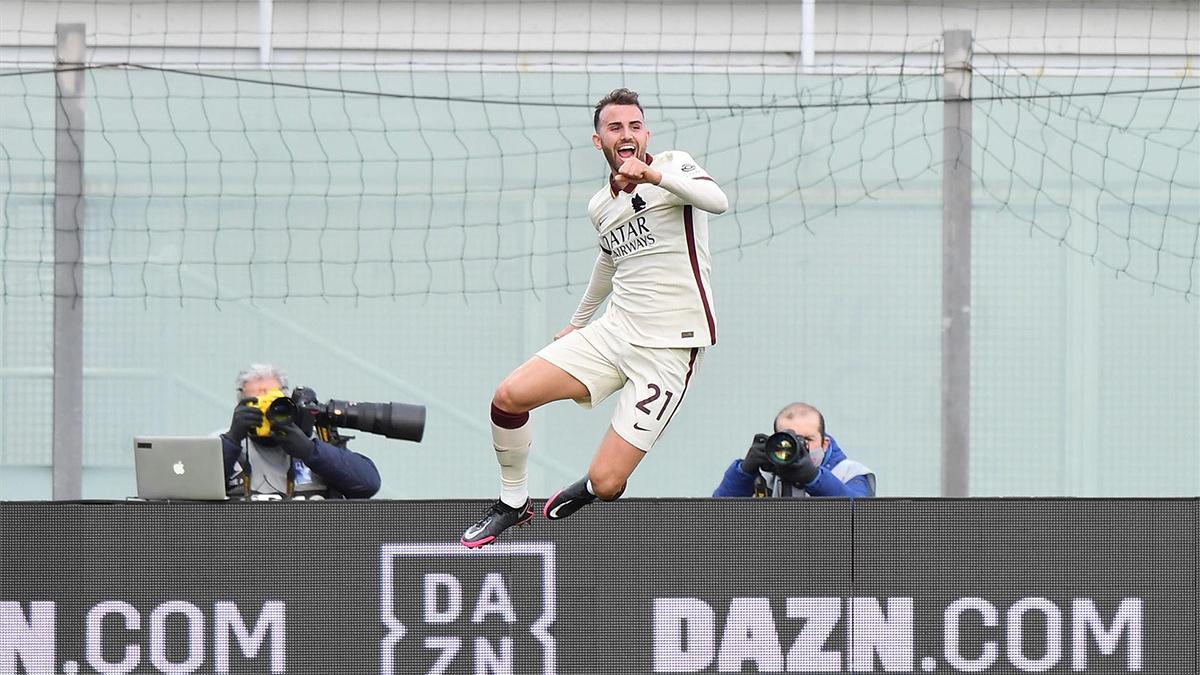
x: 817, y: 454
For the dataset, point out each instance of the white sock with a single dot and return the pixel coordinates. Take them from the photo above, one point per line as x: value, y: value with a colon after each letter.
x: 512, y: 452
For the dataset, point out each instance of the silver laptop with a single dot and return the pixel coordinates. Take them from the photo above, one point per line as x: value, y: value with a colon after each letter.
x: 179, y: 467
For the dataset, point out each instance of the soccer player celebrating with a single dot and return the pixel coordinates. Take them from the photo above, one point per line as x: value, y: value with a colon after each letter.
x: 654, y: 261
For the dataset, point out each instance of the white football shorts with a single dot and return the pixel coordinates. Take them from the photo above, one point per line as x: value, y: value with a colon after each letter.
x: 652, y: 380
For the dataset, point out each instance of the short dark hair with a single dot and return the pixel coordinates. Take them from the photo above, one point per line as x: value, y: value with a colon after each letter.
x: 620, y: 96
x: 798, y: 404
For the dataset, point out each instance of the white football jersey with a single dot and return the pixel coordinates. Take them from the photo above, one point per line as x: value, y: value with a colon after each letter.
x: 656, y: 238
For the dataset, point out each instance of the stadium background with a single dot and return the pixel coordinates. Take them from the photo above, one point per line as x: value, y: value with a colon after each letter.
x: 353, y: 212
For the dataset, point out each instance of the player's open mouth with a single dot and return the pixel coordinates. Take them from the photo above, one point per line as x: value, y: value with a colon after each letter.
x: 626, y: 151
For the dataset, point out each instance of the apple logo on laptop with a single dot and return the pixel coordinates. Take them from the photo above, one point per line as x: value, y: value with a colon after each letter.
x: 178, y: 468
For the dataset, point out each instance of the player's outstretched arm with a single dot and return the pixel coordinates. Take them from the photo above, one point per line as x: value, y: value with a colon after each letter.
x: 691, y: 184
x: 598, y: 288
x: 703, y: 193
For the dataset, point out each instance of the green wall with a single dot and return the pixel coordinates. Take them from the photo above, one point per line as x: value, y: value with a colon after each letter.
x: 418, y: 250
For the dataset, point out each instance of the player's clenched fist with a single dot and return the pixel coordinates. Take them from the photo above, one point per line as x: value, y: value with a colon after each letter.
x: 635, y: 171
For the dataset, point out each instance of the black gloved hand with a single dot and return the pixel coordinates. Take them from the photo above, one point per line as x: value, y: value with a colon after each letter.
x: 801, y: 472
x: 245, y: 419
x: 756, y: 457
x: 293, y: 441
x: 306, y: 402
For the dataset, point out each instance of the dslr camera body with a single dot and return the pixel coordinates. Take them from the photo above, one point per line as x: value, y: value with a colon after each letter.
x: 276, y: 408
x: 783, y: 454
x: 784, y: 448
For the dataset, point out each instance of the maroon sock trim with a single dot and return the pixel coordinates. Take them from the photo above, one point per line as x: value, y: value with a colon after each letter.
x: 507, y: 420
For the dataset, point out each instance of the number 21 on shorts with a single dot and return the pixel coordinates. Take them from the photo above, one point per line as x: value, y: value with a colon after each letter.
x: 658, y: 392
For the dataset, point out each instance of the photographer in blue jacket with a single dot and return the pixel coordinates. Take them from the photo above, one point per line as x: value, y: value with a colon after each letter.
x: 798, y: 460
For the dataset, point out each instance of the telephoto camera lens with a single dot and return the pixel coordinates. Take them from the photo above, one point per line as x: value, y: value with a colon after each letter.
x: 784, y: 447
x: 395, y: 420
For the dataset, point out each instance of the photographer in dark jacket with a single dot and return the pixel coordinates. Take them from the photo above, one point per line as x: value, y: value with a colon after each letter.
x: 821, y: 469
x: 289, y: 462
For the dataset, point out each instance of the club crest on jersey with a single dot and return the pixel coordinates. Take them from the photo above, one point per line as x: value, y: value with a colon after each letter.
x: 687, y: 168
x: 627, y: 238
x: 638, y: 203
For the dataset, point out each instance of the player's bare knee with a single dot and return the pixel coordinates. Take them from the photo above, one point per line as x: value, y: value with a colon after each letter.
x: 506, y: 399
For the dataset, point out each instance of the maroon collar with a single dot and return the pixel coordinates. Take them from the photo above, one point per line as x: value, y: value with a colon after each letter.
x: 612, y: 182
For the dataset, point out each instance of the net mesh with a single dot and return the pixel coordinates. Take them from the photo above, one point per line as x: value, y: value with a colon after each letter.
x: 365, y: 149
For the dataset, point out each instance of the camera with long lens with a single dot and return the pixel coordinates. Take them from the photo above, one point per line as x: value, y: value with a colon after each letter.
x: 784, y: 448
x: 276, y: 408
x: 401, y: 421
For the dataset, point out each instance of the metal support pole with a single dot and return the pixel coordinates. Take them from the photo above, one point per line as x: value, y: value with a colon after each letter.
x: 956, y: 266
x: 808, y: 20
x: 265, y: 12
x: 67, y: 455
x: 69, y: 124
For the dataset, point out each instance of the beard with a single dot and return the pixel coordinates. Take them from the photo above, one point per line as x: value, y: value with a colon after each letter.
x: 610, y: 154
x: 615, y: 161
